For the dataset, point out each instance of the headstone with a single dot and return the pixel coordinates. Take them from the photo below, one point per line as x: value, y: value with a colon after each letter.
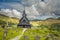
x: 17, y: 30
x: 12, y: 33
x: 26, y: 38
x: 29, y: 31
x: 13, y: 29
x: 47, y: 38
x: 3, y: 26
x: 52, y: 35
x: 35, y: 33
x: 37, y: 38
x: 5, y: 34
x: 0, y: 30
x: 55, y: 38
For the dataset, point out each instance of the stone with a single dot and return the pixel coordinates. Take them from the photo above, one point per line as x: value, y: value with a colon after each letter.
x: 26, y: 38
x: 52, y: 35
x: 17, y: 31
x: 0, y: 30
x: 47, y: 38
x: 3, y: 26
x: 55, y: 38
x: 37, y: 38
x: 5, y: 34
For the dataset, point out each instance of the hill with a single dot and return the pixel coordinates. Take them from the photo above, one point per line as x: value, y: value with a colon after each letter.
x: 58, y: 18
x: 40, y: 28
x: 5, y: 19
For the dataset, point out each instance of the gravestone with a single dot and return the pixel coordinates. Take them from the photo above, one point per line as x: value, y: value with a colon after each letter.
x: 35, y: 33
x: 55, y: 38
x: 29, y: 32
x: 47, y: 38
x: 3, y: 26
x: 52, y: 35
x: 37, y: 38
x: 0, y: 30
x: 26, y: 38
x: 5, y: 34
x: 17, y: 30
x: 12, y: 33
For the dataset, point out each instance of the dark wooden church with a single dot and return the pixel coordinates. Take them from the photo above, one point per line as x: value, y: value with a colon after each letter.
x: 24, y: 22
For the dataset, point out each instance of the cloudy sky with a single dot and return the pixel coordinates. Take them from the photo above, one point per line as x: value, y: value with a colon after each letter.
x: 35, y: 9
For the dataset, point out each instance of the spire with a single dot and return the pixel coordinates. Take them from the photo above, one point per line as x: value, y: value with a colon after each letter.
x: 24, y: 14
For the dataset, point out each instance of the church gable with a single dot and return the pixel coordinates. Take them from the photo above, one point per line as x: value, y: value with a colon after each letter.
x: 24, y: 20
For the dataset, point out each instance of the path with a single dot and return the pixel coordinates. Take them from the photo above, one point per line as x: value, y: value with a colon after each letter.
x: 18, y: 37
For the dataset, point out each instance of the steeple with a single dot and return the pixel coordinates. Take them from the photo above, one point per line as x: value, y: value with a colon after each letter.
x: 24, y: 22
x: 24, y: 14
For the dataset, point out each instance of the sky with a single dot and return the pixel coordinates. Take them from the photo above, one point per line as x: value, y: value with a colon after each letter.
x: 35, y: 9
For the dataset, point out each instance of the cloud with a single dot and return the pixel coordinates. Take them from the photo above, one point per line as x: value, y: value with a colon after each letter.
x: 35, y: 9
x: 9, y: 0
x: 10, y: 13
x: 47, y: 7
x: 32, y: 12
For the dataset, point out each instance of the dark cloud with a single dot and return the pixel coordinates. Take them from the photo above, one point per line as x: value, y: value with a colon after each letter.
x: 39, y: 8
x: 10, y: 1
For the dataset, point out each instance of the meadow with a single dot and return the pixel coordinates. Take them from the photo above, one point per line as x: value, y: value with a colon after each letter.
x: 41, y: 29
x: 45, y: 30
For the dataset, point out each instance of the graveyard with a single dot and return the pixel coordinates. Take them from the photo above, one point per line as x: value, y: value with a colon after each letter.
x: 29, y: 19
x: 40, y: 30
x: 12, y: 32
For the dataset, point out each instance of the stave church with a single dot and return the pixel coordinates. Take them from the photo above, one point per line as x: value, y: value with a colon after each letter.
x: 24, y: 22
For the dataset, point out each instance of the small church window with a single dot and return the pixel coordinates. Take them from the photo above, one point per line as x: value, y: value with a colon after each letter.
x: 24, y: 21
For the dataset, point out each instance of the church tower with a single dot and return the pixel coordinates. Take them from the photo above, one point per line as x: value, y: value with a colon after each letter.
x: 24, y: 22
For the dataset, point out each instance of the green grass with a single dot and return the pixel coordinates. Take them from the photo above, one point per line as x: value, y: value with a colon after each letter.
x: 12, y: 32
x: 43, y: 29
x: 1, y: 33
x: 42, y: 32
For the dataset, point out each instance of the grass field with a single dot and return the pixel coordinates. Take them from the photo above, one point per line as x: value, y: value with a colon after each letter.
x: 12, y: 32
x: 42, y: 29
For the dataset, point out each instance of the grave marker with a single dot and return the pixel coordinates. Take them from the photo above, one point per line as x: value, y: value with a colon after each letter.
x: 37, y: 38
x: 26, y: 38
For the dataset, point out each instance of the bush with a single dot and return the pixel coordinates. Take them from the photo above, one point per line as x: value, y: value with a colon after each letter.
x: 11, y: 24
x: 55, y: 26
x: 2, y: 22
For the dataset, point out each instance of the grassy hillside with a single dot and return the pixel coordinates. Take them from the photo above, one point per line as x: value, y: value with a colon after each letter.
x: 45, y: 30
x: 9, y: 19
x: 5, y: 19
x: 41, y: 28
x: 12, y: 31
x: 45, y: 22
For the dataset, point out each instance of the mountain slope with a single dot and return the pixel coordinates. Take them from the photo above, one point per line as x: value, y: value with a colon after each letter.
x: 5, y: 19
